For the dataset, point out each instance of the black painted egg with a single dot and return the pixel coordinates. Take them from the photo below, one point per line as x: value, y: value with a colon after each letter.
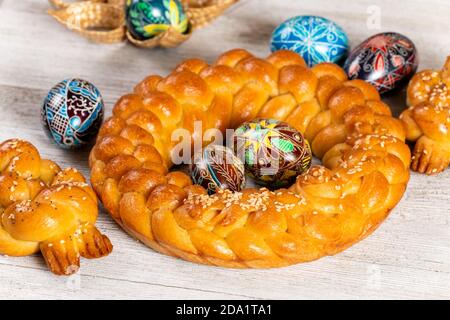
x: 216, y: 167
x: 273, y: 152
x: 386, y: 60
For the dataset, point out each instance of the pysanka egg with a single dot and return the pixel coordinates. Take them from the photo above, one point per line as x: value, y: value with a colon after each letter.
x: 386, y: 60
x: 273, y: 152
x: 316, y: 39
x: 148, y: 18
x: 216, y: 167
x: 72, y: 113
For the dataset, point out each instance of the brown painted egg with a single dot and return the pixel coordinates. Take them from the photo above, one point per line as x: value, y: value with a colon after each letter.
x: 273, y: 152
x: 216, y: 167
x: 386, y: 60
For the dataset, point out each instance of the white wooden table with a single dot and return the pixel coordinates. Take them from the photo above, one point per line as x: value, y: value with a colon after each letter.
x: 407, y: 257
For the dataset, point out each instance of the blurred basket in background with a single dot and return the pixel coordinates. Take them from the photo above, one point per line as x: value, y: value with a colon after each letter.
x: 104, y: 21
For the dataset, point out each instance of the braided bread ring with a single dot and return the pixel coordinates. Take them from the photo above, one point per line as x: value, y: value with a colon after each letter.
x: 427, y: 120
x: 45, y: 208
x: 327, y: 210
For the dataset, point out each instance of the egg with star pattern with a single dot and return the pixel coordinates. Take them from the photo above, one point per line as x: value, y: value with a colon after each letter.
x: 273, y: 152
x: 315, y: 38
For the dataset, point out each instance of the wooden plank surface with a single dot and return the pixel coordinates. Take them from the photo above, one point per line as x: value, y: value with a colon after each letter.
x: 407, y: 257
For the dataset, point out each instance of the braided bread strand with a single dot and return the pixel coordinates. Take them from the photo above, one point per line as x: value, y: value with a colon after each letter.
x: 44, y: 208
x: 326, y: 210
x: 427, y: 120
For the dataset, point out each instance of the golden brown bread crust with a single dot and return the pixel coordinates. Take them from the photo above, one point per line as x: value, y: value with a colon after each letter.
x: 327, y: 209
x: 45, y: 208
x: 427, y: 120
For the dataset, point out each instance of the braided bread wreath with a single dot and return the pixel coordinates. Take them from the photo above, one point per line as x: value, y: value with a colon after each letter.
x: 329, y: 208
x: 45, y: 208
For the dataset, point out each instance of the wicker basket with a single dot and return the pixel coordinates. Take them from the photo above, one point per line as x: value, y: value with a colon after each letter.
x: 103, y: 21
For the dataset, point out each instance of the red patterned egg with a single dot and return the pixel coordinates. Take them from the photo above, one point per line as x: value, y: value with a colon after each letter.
x: 386, y: 60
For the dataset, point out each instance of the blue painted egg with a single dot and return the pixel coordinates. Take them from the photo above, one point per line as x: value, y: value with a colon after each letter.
x: 316, y: 39
x: 72, y: 113
x: 148, y: 18
x: 386, y: 60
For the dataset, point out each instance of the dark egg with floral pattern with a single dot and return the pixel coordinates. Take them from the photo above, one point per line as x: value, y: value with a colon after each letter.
x: 273, y: 152
x: 216, y: 167
x: 72, y: 113
x: 386, y: 60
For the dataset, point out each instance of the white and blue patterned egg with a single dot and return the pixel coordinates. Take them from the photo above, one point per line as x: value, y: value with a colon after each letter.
x: 316, y: 39
x: 72, y: 113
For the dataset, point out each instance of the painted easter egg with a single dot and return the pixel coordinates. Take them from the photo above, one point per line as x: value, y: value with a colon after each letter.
x: 386, y: 60
x: 216, y: 167
x: 148, y: 18
x: 72, y: 113
x: 273, y: 152
x: 316, y: 39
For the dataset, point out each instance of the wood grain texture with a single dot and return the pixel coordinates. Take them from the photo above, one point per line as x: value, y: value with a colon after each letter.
x: 407, y: 257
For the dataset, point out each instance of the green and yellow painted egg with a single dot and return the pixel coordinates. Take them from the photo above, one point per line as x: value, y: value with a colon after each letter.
x: 273, y: 152
x: 148, y: 18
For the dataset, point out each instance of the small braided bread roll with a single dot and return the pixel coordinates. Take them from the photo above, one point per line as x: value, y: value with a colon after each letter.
x: 427, y: 119
x: 329, y: 208
x: 45, y: 208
